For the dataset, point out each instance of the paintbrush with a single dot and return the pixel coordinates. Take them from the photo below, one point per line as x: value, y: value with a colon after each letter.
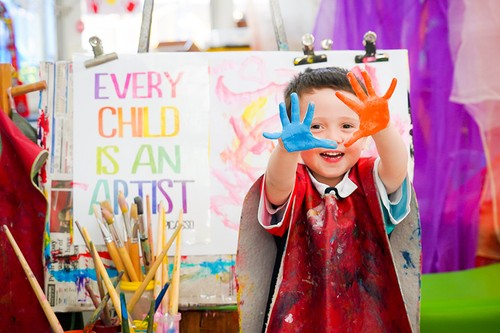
x: 86, y: 238
x: 149, y: 221
x: 109, y: 285
x: 161, y: 295
x: 99, y: 310
x: 93, y: 297
x: 146, y: 250
x: 122, y: 251
x: 110, y: 244
x: 123, y: 302
x: 49, y: 313
x: 126, y: 218
x: 157, y: 301
x: 173, y: 305
x: 154, y: 266
x: 150, y: 317
x: 159, y: 281
x: 133, y: 249
x: 164, y: 275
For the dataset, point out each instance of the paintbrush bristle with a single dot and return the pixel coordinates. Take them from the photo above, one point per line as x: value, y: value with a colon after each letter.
x: 97, y: 211
x: 138, y: 202
x: 108, y: 216
x: 133, y: 212
x: 122, y: 202
x: 107, y: 205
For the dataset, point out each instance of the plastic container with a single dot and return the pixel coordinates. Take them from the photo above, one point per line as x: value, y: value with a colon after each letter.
x: 141, y: 308
x: 167, y: 323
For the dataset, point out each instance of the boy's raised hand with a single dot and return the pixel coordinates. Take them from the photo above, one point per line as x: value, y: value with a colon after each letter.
x: 297, y: 136
x: 373, y: 110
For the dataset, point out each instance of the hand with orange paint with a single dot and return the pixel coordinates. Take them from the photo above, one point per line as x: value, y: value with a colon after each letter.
x: 373, y: 110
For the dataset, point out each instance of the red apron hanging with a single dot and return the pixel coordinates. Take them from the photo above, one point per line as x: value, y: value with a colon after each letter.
x: 21, y: 102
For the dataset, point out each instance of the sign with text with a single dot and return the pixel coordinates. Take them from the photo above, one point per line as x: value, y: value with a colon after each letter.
x: 141, y: 127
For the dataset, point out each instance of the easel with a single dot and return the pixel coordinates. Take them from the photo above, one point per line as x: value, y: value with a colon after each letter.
x: 7, y: 91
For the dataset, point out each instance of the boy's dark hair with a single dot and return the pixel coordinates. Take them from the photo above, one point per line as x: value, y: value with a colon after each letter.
x: 319, y: 78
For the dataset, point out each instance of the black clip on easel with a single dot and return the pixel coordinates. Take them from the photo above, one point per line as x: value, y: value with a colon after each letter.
x: 371, y: 54
x: 308, y: 48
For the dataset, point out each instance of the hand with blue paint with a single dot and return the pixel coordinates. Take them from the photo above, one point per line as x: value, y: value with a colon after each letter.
x: 297, y: 136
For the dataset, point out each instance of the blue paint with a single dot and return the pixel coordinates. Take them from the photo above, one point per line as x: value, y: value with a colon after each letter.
x: 75, y: 275
x: 214, y: 267
x: 407, y: 258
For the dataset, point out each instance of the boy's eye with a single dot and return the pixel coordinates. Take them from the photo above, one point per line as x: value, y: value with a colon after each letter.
x: 347, y: 126
x: 315, y: 126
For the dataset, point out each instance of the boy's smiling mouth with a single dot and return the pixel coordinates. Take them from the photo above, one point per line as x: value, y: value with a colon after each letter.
x: 332, y: 154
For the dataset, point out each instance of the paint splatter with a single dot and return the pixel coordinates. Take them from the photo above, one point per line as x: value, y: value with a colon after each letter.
x: 407, y: 257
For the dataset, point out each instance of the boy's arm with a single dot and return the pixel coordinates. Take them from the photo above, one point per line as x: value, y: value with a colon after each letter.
x: 295, y: 137
x: 374, y: 118
x: 393, y: 153
x: 280, y: 174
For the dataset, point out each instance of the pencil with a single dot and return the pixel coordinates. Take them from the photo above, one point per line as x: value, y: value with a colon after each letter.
x: 49, y: 313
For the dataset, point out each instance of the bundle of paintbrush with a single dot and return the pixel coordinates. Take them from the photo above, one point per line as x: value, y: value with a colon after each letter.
x: 130, y: 240
x: 116, y: 247
x: 138, y: 233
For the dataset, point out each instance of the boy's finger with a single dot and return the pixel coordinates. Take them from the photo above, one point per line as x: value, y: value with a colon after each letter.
x: 271, y: 136
x: 368, y: 83
x: 295, y: 108
x: 352, y: 104
x: 356, y: 87
x: 283, y: 115
x: 309, y: 114
x: 391, y: 89
x: 355, y: 137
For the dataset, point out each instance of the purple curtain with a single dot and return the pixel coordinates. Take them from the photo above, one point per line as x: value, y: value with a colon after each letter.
x: 449, y: 158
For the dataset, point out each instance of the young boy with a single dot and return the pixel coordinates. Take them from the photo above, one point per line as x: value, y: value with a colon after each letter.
x: 331, y: 212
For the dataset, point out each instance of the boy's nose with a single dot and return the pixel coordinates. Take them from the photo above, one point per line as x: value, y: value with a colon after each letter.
x: 337, y: 137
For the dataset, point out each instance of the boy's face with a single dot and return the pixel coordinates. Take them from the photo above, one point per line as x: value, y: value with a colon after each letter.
x: 335, y: 121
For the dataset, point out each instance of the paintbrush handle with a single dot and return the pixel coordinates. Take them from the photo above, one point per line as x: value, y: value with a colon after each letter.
x: 128, y: 264
x: 105, y: 313
x: 115, y: 257
x: 173, y: 306
x: 152, y: 270
x: 107, y: 282
x: 115, y: 299
x: 133, y: 251
x: 149, y: 221
x: 125, y: 325
x: 49, y: 313
x: 146, y: 253
x: 100, y: 309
